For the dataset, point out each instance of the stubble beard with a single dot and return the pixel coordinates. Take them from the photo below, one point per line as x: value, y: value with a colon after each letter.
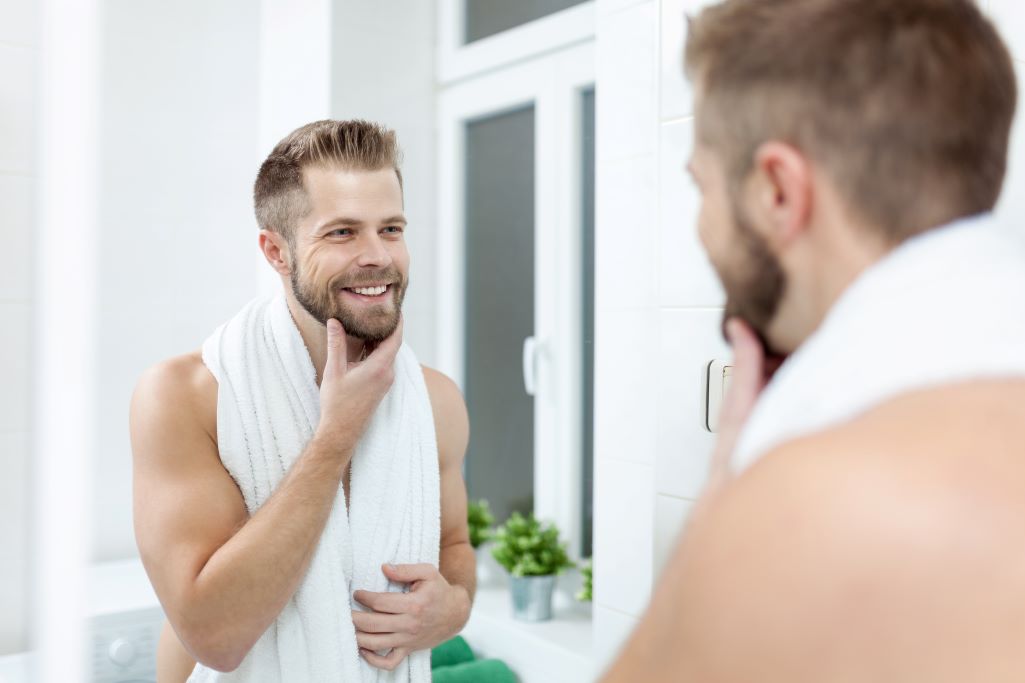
x: 371, y: 324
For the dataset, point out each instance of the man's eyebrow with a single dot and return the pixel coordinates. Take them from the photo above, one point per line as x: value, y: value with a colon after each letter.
x: 395, y: 219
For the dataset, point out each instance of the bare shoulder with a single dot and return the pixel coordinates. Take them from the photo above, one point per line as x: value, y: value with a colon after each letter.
x: 889, y: 546
x: 179, y: 389
x: 451, y: 423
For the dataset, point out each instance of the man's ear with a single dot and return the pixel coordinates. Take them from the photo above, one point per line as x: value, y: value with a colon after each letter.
x: 782, y: 191
x: 275, y: 250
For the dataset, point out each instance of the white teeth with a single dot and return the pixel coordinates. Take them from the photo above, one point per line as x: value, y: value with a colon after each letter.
x: 370, y: 291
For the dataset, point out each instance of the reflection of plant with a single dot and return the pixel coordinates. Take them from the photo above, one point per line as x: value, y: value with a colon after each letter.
x: 585, y: 594
x: 525, y: 547
x: 480, y: 520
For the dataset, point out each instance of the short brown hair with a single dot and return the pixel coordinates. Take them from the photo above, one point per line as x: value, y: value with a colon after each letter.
x: 906, y: 104
x: 279, y: 195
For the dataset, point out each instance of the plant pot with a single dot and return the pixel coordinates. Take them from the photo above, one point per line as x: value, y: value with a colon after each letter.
x: 532, y: 597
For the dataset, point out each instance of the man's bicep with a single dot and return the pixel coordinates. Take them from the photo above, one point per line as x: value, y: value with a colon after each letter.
x: 186, y: 506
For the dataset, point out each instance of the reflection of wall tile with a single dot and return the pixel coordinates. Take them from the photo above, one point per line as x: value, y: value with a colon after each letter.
x: 1009, y: 17
x: 14, y: 524
x: 1011, y: 208
x: 18, y: 22
x: 689, y: 339
x: 623, y: 525
x: 16, y: 233
x: 15, y: 366
x: 670, y: 516
x: 675, y: 92
x: 611, y: 631
x: 625, y: 96
x: 626, y: 241
x: 686, y: 277
x: 17, y: 92
x: 626, y: 370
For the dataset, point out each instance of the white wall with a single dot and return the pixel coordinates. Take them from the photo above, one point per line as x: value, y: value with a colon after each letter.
x: 655, y: 337
x: 178, y: 157
x: 383, y: 70
x: 19, y: 42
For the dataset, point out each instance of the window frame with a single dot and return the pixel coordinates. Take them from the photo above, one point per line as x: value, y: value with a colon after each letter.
x: 554, y: 84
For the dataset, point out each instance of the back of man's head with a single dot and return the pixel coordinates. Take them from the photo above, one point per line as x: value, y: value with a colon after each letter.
x: 906, y: 104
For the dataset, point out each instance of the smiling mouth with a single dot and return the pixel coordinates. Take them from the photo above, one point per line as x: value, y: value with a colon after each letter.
x: 373, y: 292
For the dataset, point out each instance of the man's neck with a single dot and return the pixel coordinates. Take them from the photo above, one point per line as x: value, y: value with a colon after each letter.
x: 314, y: 335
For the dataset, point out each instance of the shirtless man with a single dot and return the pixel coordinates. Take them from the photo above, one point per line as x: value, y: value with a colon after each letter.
x: 224, y: 573
x: 839, y: 146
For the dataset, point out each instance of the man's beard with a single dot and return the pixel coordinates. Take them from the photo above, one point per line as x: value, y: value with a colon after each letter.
x: 373, y: 323
x: 755, y: 286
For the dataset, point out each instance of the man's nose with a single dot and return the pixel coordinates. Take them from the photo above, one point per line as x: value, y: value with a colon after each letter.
x: 373, y: 252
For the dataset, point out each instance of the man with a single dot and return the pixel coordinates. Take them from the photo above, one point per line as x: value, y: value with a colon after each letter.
x: 865, y: 518
x: 303, y: 456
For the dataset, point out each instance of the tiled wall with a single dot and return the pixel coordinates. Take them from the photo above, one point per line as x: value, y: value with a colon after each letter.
x: 18, y: 63
x: 658, y: 302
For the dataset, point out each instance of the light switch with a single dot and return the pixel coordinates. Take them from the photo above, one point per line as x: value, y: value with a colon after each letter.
x: 717, y: 381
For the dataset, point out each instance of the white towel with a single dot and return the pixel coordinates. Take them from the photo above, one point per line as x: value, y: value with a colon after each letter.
x: 945, y: 306
x: 268, y: 407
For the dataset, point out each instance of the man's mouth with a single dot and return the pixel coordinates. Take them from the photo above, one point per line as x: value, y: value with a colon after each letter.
x: 369, y: 292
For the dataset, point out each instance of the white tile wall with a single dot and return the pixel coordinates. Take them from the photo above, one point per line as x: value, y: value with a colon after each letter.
x: 686, y: 277
x: 671, y: 514
x: 1009, y: 17
x: 626, y: 238
x: 14, y: 534
x: 626, y: 95
x: 623, y: 526
x: 17, y: 231
x: 17, y: 70
x: 625, y: 413
x: 18, y: 22
x: 689, y: 339
x: 611, y: 629
x: 18, y: 63
x: 675, y: 92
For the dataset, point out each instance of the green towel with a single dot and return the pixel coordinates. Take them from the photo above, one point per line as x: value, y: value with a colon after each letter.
x: 482, y: 671
x: 451, y: 652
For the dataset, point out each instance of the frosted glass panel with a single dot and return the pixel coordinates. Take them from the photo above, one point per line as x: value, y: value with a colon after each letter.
x: 488, y: 17
x: 500, y: 309
x: 587, y: 308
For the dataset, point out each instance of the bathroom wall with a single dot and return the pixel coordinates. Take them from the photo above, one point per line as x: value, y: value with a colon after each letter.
x: 658, y: 302
x: 178, y: 254
x: 382, y: 69
x: 19, y: 42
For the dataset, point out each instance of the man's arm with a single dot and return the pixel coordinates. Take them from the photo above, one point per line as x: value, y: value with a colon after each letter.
x: 438, y: 604
x: 222, y: 576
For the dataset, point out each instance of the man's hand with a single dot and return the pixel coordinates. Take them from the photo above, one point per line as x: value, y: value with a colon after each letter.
x: 351, y: 392
x: 430, y: 613
x: 752, y: 370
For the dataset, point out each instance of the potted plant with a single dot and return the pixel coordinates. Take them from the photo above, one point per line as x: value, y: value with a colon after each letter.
x: 533, y: 555
x: 481, y: 523
x: 586, y: 593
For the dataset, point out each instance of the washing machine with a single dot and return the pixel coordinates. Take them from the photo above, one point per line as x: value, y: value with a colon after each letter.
x: 125, y: 619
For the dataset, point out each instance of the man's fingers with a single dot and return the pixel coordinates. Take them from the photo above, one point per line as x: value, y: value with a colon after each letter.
x: 337, y: 354
x: 390, y: 603
x: 380, y: 641
x: 389, y: 662
x: 409, y: 573
x: 380, y: 622
x: 749, y: 364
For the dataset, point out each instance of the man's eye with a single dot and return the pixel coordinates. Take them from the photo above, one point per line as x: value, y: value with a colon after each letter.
x: 393, y: 229
x: 341, y: 232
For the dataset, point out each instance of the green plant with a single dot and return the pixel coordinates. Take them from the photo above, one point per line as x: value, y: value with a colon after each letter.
x: 587, y: 591
x: 525, y: 547
x: 480, y: 521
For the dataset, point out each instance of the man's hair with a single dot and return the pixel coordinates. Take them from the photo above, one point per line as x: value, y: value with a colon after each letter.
x: 906, y: 104
x: 279, y: 196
